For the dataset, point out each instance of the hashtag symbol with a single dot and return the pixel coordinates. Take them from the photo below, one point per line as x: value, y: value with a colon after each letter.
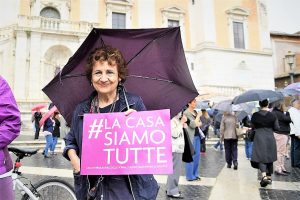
x: 95, y: 129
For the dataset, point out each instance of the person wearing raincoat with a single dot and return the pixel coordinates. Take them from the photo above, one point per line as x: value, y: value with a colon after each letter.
x: 106, y: 71
x: 10, y: 125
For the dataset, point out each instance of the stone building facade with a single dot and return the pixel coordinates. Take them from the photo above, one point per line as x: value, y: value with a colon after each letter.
x: 227, y: 43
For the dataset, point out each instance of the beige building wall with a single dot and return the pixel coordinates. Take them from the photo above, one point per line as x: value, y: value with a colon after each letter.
x: 223, y: 23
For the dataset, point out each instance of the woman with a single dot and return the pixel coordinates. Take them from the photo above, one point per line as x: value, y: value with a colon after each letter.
x: 177, y: 124
x: 206, y: 122
x: 48, y: 128
x: 106, y: 70
x: 56, y: 132
x: 10, y: 125
x: 228, y: 135
x: 281, y: 136
x: 194, y: 123
x: 264, y: 151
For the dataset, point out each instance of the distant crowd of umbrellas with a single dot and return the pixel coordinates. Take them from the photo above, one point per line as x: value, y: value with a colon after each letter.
x: 246, y: 103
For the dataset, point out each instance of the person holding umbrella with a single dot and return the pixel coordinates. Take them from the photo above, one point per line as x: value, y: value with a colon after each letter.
x: 264, y: 151
x: 194, y: 123
x: 106, y: 70
x: 36, y: 117
x: 281, y: 136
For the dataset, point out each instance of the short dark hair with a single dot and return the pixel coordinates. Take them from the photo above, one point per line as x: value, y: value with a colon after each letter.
x: 264, y: 103
x: 109, y: 54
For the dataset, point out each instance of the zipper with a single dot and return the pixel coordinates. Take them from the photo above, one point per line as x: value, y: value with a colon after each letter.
x: 131, y: 187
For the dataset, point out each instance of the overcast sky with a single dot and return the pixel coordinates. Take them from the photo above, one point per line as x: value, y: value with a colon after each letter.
x: 284, y: 15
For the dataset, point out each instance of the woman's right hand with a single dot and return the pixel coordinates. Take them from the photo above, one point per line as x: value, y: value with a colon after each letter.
x: 76, y: 164
x: 75, y: 160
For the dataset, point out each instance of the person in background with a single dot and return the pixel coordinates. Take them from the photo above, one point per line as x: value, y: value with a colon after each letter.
x: 248, y: 144
x: 10, y: 125
x: 193, y: 125
x: 56, y: 132
x: 295, y: 132
x: 228, y: 135
x: 48, y: 128
x: 217, y: 126
x: 37, y: 116
x: 281, y: 136
x: 177, y: 124
x: 106, y: 70
x: 264, y: 151
x: 206, y: 122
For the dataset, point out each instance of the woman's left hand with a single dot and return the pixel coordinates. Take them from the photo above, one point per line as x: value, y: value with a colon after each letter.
x: 129, y: 111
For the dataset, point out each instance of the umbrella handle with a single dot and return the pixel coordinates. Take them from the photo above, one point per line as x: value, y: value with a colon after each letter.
x: 125, y: 97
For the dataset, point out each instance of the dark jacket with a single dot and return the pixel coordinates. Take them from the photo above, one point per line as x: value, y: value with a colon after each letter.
x: 56, y: 130
x: 264, y: 148
x: 284, y: 121
x: 143, y: 186
x: 48, y: 125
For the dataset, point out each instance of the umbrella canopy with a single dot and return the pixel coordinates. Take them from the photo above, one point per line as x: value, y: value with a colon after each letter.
x: 47, y: 115
x: 202, y: 105
x: 295, y: 86
x: 289, y: 92
x: 38, y: 107
x: 158, y: 71
x: 257, y: 95
x: 225, y: 105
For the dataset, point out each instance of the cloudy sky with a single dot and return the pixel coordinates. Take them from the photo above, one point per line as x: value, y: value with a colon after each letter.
x: 284, y: 15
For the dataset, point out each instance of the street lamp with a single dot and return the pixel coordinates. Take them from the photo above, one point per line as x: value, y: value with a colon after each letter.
x: 290, y: 57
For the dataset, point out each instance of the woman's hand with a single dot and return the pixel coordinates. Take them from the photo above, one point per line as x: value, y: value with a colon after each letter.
x: 75, y: 160
x: 129, y: 111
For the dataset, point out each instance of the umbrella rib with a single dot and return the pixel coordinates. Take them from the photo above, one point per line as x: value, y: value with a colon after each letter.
x: 159, y: 36
x: 151, y: 78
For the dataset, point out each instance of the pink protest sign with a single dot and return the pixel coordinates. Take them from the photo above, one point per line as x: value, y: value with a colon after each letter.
x: 136, y: 144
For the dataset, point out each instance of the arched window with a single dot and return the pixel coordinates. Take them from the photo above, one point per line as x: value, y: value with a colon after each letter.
x: 50, y: 12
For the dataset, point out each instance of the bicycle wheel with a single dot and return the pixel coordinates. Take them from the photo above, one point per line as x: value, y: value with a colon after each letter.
x: 54, y: 189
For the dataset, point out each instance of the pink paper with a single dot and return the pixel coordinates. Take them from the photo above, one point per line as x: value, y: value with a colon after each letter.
x: 116, y: 144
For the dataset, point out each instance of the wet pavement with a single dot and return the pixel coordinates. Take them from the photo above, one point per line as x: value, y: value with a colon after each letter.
x: 212, y: 172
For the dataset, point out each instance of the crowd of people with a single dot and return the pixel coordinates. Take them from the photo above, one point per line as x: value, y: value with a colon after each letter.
x: 271, y: 127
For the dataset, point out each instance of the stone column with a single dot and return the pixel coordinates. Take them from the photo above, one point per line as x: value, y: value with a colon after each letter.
x: 35, y: 89
x: 20, y: 72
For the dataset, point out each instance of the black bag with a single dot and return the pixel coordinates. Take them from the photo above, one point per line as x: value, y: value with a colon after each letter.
x: 189, y: 150
x: 250, y: 135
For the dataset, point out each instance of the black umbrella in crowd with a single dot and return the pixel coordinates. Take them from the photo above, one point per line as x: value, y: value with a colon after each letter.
x: 257, y: 95
x: 158, y: 71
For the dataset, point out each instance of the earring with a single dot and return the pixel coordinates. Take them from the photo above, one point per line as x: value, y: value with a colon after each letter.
x: 91, y: 83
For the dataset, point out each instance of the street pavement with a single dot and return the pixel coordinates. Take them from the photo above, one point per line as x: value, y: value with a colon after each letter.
x: 217, y: 181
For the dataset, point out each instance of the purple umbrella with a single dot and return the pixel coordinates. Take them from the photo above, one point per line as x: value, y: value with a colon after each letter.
x: 295, y: 86
x: 158, y: 71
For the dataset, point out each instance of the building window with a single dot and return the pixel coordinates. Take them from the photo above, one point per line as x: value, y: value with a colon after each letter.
x: 50, y: 12
x: 118, y: 20
x: 238, y: 35
x: 173, y: 23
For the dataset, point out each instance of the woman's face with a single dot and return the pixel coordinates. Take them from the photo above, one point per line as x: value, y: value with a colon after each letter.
x: 193, y: 104
x: 105, y: 77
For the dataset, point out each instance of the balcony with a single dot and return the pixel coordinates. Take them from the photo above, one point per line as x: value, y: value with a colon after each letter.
x: 38, y: 23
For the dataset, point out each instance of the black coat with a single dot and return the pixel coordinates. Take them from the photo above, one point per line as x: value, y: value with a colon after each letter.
x: 56, y: 130
x: 284, y: 121
x: 264, y: 149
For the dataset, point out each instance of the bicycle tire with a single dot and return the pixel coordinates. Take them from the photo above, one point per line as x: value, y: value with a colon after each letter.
x: 54, y: 189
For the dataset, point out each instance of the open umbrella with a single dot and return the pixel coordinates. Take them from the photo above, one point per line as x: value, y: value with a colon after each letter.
x: 289, y: 92
x: 257, y: 95
x: 295, y: 86
x: 47, y: 115
x: 38, y: 107
x: 158, y: 71
x: 225, y: 105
